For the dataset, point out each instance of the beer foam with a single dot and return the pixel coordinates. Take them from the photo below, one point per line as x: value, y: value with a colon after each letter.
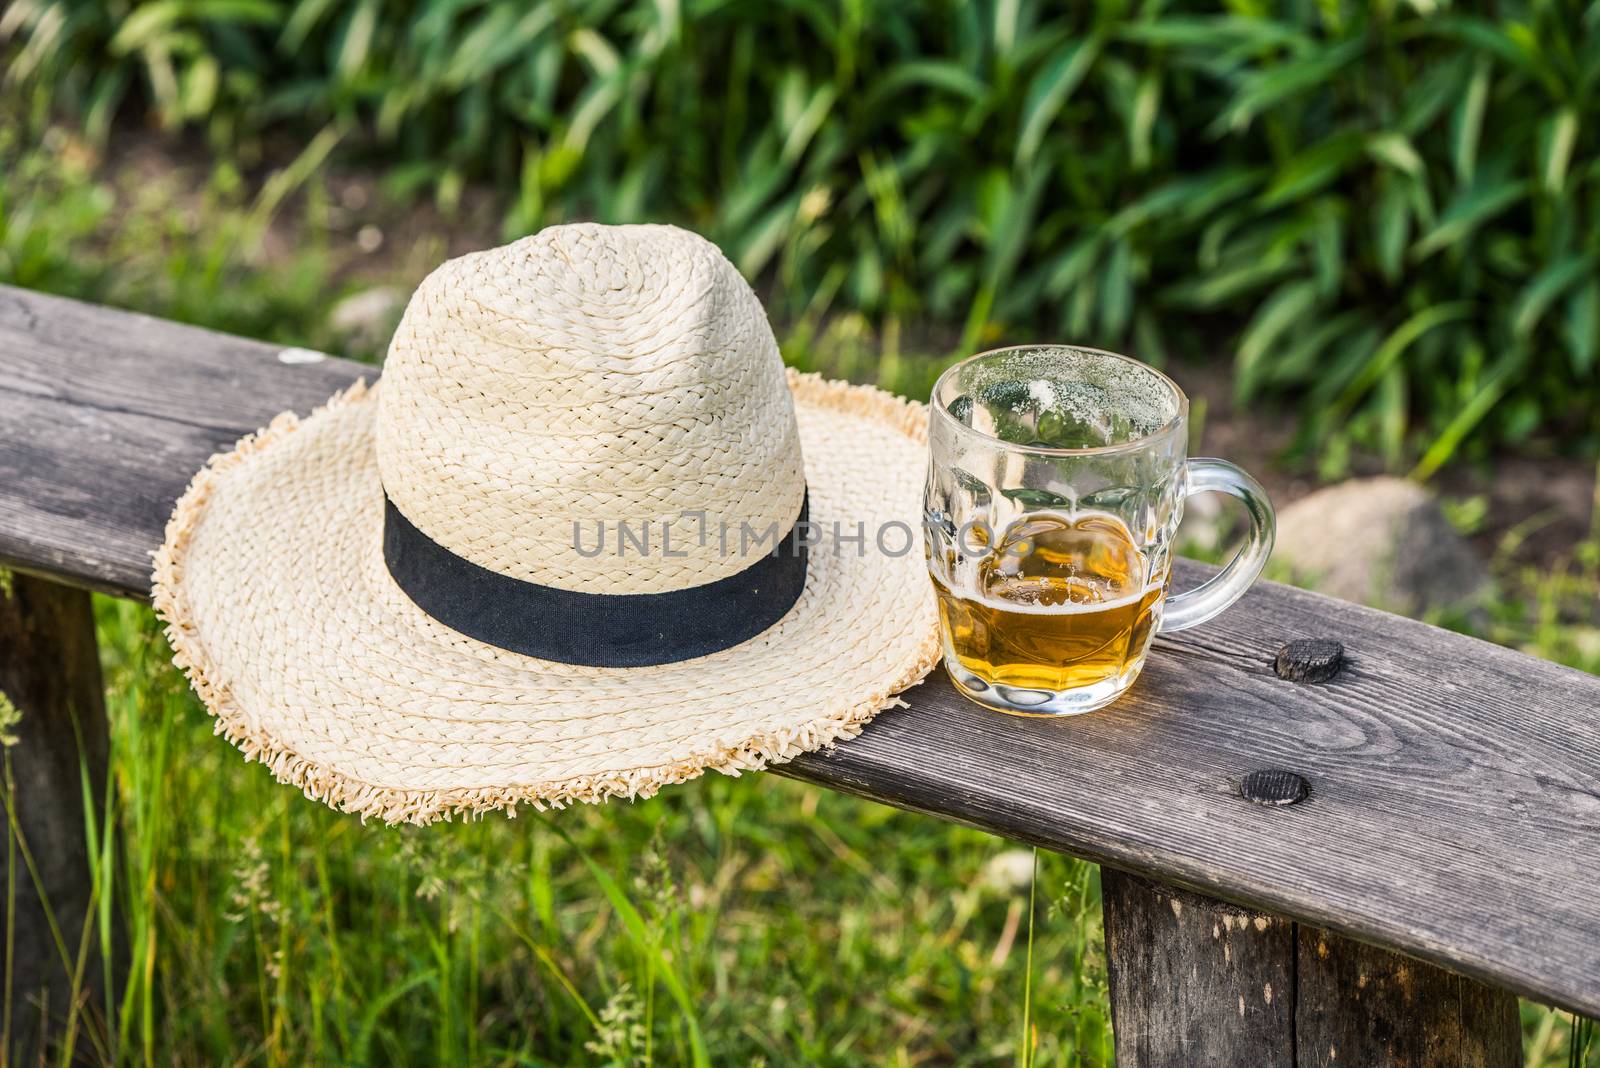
x: 1083, y: 384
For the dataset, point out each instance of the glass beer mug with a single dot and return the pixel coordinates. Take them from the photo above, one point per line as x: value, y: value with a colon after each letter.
x: 1056, y: 480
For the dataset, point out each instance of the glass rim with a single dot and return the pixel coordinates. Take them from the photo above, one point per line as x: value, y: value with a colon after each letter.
x: 1144, y: 440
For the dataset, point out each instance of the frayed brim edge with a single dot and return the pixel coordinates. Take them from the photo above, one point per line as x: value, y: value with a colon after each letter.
x: 398, y: 805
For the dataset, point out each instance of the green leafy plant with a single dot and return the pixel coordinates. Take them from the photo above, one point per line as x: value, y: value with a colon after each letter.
x: 1388, y: 210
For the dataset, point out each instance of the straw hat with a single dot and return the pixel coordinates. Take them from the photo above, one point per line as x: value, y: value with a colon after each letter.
x: 586, y: 537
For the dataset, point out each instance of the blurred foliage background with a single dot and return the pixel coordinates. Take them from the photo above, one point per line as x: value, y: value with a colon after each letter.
x: 1384, y: 213
x: 1389, y: 211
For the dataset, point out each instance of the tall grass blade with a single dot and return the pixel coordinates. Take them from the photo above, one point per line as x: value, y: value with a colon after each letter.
x: 645, y: 945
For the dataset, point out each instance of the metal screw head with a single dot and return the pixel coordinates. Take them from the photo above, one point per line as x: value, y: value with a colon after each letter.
x: 1274, y: 786
x: 1309, y: 660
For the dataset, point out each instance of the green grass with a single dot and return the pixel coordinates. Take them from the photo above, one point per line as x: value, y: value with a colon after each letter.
x: 804, y: 927
x: 758, y: 920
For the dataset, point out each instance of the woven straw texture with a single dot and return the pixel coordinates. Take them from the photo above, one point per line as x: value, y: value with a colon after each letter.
x: 588, y: 373
x: 280, y: 609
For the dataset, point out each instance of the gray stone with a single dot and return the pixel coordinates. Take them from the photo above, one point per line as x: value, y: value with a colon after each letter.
x: 1382, y: 542
x: 366, y: 320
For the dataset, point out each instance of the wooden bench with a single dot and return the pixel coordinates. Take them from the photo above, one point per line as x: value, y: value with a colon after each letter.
x: 1441, y: 857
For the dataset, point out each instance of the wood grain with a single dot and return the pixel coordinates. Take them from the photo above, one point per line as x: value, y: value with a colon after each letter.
x: 1198, y: 981
x: 1455, y: 786
x: 1195, y: 981
x: 1358, y: 1004
x: 1454, y: 811
x: 105, y: 416
x: 50, y: 670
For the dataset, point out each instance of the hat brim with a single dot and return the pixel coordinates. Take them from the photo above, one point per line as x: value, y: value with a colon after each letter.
x: 278, y: 606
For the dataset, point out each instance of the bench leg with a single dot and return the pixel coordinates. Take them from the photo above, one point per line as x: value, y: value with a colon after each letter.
x: 50, y: 672
x: 1195, y: 981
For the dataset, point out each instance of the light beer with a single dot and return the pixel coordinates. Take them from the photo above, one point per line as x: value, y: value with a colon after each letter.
x: 1074, y: 463
x: 1063, y: 601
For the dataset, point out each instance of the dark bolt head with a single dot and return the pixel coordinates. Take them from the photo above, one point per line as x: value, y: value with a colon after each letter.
x: 1274, y: 786
x: 1309, y: 660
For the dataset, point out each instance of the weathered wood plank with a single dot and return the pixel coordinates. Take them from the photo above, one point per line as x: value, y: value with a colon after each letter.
x: 50, y: 670
x: 1196, y: 981
x: 1358, y: 1004
x: 1455, y: 785
x: 137, y: 399
x: 1454, y: 797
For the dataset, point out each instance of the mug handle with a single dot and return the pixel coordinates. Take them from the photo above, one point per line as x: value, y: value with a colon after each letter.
x: 1193, y: 607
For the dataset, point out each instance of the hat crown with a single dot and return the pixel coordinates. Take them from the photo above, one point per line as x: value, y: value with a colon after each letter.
x: 539, y: 395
